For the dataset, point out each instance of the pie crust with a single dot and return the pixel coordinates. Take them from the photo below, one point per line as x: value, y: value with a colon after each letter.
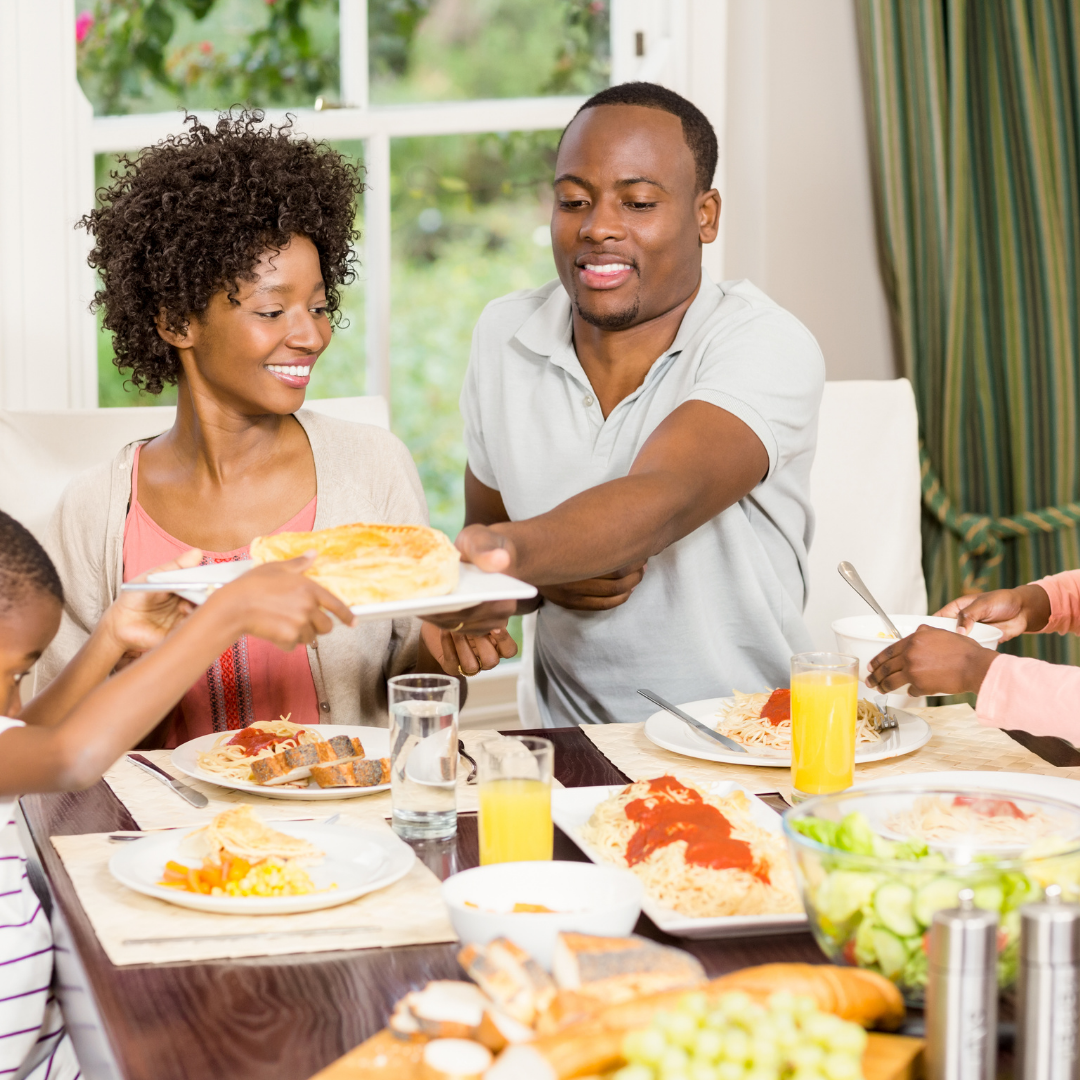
x: 370, y: 564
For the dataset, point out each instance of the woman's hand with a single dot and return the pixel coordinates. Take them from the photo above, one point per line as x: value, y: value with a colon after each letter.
x: 472, y: 653
x: 596, y: 594
x: 137, y: 621
x: 1013, y: 611
x: 932, y: 662
x: 278, y: 603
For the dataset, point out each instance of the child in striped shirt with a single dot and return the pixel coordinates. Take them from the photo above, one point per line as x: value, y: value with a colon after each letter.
x: 65, y: 738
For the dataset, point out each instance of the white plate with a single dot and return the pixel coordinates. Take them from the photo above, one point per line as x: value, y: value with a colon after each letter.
x: 571, y: 808
x: 473, y: 587
x: 376, y: 743
x: 358, y: 861
x: 670, y: 733
x: 1049, y: 787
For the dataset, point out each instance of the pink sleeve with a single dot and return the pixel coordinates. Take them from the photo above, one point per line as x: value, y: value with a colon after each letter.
x: 1064, y: 592
x: 1022, y: 694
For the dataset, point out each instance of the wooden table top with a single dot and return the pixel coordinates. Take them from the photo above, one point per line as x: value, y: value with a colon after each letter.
x: 279, y: 1018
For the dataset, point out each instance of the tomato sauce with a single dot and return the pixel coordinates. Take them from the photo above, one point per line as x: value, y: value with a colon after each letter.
x: 778, y: 708
x: 991, y: 807
x: 253, y: 740
x: 672, y: 812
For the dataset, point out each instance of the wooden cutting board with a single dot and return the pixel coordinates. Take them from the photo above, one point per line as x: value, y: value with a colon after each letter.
x: 383, y: 1057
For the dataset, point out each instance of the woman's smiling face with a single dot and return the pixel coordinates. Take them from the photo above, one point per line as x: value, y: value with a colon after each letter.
x: 256, y: 348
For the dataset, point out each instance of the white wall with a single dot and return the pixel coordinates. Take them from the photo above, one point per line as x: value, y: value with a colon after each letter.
x: 798, y: 212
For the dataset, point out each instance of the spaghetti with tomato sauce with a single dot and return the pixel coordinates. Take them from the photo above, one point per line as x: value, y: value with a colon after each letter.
x: 701, y: 854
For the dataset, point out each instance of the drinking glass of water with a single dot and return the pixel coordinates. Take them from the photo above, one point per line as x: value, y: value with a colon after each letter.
x: 423, y: 755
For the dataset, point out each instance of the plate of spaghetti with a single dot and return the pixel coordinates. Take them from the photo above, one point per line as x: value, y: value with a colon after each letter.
x: 282, y: 760
x: 762, y: 723
x: 712, y: 857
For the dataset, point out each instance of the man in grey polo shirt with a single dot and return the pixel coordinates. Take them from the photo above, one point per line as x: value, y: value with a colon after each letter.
x: 639, y: 438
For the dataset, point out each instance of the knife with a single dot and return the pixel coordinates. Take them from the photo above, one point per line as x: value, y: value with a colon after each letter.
x: 697, y: 725
x: 196, y: 798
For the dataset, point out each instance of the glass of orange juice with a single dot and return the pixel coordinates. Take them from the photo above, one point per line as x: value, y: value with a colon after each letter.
x: 824, y: 703
x: 514, y: 781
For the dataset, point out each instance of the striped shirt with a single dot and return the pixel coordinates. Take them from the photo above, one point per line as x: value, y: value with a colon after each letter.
x: 33, y: 1043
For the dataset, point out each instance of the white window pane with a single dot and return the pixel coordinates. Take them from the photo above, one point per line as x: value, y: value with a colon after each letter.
x: 153, y: 55
x: 445, y: 50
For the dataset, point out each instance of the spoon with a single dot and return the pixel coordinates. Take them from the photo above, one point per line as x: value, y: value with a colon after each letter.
x: 851, y: 576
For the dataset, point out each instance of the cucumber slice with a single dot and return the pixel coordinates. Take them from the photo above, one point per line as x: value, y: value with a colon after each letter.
x: 843, y: 893
x: 864, y: 944
x: 942, y: 892
x: 990, y: 896
x: 891, y: 954
x: 893, y: 907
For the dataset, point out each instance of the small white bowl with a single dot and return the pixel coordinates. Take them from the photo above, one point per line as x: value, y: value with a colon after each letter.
x: 583, y: 897
x: 861, y: 635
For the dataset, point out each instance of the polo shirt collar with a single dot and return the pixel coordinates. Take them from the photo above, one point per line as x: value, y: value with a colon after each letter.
x: 549, y: 330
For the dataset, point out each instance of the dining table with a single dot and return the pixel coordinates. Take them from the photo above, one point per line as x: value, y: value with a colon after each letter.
x: 282, y: 1017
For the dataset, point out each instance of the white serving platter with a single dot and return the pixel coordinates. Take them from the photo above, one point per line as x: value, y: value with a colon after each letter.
x: 670, y: 733
x: 376, y: 743
x: 571, y: 808
x: 358, y: 861
x: 474, y: 587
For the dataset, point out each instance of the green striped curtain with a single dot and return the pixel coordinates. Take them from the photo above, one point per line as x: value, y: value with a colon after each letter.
x: 974, y: 117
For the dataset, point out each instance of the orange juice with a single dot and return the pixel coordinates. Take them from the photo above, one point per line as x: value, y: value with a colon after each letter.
x: 823, y: 710
x: 515, y: 821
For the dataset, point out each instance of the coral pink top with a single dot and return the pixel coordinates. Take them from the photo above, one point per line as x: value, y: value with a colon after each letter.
x: 1020, y: 693
x: 254, y: 680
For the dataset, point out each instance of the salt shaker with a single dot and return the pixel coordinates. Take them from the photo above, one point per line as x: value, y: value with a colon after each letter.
x: 1048, y: 994
x: 961, y: 993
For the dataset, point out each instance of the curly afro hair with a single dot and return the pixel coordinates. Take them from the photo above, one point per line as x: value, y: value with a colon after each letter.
x: 192, y: 216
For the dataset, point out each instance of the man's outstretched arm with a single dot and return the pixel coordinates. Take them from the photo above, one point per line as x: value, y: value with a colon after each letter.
x: 698, y: 462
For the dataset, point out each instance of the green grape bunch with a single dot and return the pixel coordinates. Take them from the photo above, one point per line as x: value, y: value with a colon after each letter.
x: 735, y: 1038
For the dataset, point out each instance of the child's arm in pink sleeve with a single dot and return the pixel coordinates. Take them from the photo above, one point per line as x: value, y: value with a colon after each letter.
x: 1022, y: 694
x: 1064, y: 592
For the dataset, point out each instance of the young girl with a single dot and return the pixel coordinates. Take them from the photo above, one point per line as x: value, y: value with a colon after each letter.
x: 1015, y: 692
x: 67, y: 736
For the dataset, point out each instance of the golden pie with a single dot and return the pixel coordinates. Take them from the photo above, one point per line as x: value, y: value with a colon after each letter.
x: 370, y: 564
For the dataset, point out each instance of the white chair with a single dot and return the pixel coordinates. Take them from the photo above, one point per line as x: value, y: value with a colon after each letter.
x: 42, y: 451
x: 864, y: 486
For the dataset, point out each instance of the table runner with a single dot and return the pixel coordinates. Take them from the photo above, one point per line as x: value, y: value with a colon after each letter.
x: 959, y: 743
x: 409, y: 912
x: 154, y: 806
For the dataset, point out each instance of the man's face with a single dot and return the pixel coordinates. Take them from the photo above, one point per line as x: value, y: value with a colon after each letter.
x: 628, y: 221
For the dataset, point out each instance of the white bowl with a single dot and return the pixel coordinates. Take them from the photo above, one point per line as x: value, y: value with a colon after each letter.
x: 862, y: 635
x: 589, y: 899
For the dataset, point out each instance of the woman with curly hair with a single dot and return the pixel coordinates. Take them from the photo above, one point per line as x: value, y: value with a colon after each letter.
x: 222, y: 253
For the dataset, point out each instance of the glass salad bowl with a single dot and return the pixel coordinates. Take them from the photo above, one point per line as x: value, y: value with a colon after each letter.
x: 874, y: 865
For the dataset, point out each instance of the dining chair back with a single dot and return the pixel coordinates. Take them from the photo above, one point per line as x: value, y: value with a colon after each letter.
x: 864, y: 487
x: 42, y: 451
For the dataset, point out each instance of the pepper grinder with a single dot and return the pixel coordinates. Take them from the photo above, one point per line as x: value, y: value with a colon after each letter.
x: 1048, y: 994
x: 961, y: 993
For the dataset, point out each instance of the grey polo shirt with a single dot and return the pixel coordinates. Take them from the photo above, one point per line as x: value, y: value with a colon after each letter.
x: 717, y: 610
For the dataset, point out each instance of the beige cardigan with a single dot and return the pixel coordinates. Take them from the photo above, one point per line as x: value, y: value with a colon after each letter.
x: 362, y: 473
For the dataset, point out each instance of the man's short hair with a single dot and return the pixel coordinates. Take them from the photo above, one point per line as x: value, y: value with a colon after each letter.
x: 24, y: 566
x: 697, y: 131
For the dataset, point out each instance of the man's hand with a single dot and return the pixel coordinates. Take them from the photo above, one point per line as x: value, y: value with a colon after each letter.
x: 278, y: 603
x: 137, y: 621
x: 1012, y: 611
x: 472, y: 653
x: 596, y: 594
x: 487, y: 549
x: 932, y: 662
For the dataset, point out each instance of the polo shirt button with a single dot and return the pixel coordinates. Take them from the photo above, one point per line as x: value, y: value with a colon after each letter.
x: 589, y: 399
x: 325, y: 706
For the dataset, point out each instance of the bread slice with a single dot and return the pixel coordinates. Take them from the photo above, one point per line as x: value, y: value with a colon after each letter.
x: 269, y: 768
x: 517, y: 984
x: 354, y: 772
x: 295, y: 762
x: 370, y: 564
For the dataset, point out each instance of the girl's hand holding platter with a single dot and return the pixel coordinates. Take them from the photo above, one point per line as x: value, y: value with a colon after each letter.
x: 278, y: 602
